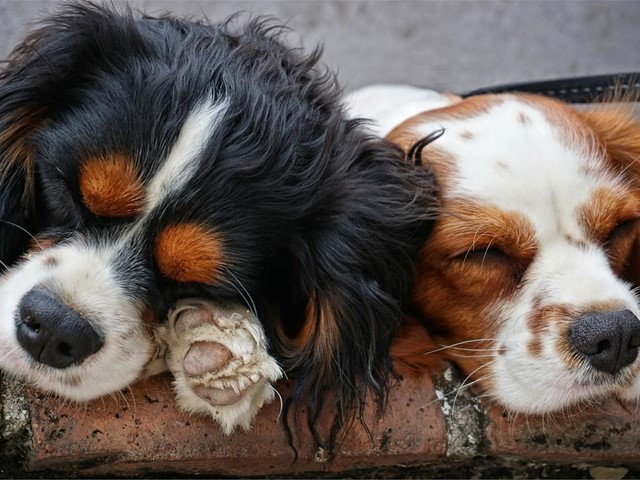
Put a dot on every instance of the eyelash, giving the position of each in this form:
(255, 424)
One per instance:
(621, 230)
(484, 255)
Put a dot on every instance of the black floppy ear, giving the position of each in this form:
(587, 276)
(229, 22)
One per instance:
(42, 77)
(19, 118)
(357, 273)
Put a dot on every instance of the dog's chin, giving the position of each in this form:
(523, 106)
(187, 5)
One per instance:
(542, 391)
(110, 370)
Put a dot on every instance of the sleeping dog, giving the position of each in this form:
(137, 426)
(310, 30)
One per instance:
(195, 191)
(527, 281)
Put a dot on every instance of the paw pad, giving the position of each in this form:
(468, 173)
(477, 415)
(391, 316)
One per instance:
(220, 362)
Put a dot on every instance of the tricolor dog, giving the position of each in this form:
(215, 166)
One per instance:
(196, 191)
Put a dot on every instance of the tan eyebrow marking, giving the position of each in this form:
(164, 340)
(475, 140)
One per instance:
(111, 187)
(189, 252)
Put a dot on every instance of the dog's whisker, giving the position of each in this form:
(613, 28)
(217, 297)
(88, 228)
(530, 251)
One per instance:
(246, 296)
(465, 385)
(19, 227)
(457, 345)
(275, 390)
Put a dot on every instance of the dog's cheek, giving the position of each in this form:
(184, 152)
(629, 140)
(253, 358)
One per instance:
(455, 305)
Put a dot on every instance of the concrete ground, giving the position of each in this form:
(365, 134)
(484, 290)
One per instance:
(449, 45)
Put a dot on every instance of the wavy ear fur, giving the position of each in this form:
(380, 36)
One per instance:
(18, 213)
(358, 272)
(618, 128)
(42, 75)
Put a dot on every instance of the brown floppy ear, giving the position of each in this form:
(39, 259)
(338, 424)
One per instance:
(413, 352)
(618, 128)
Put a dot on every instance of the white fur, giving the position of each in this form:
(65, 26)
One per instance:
(388, 105)
(250, 371)
(543, 172)
(82, 277)
(180, 165)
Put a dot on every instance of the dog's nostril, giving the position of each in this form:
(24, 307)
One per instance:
(32, 323)
(603, 346)
(53, 333)
(608, 340)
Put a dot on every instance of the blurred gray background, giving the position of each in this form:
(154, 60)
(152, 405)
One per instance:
(451, 45)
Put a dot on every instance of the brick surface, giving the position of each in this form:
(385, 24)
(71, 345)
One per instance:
(603, 433)
(142, 431)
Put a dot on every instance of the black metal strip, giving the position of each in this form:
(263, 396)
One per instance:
(572, 90)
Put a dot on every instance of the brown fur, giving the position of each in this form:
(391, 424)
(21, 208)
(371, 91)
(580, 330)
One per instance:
(188, 252)
(110, 186)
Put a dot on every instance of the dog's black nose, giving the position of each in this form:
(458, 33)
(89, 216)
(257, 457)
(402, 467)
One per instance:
(609, 340)
(53, 333)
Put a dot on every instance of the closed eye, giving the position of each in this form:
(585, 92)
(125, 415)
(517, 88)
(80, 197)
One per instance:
(622, 230)
(620, 244)
(484, 255)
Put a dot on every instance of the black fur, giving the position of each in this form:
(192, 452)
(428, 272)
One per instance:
(311, 208)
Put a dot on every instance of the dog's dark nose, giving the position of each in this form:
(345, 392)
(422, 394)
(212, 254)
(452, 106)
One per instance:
(53, 333)
(609, 340)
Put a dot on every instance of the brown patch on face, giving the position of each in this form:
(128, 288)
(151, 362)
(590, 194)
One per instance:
(111, 187)
(541, 321)
(611, 218)
(189, 252)
(618, 131)
(475, 257)
(605, 209)
(466, 135)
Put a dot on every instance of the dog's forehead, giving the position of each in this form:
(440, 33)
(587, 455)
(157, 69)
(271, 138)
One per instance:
(522, 154)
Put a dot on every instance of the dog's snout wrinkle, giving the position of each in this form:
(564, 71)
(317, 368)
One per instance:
(52, 333)
(608, 340)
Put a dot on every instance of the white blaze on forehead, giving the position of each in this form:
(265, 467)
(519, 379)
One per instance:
(512, 156)
(182, 162)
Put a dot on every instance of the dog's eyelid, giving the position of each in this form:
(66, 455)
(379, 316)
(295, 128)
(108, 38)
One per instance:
(622, 228)
(478, 252)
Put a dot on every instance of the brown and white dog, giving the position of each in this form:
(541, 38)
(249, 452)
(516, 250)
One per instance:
(527, 281)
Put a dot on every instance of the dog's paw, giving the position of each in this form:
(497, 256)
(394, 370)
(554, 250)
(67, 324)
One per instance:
(220, 362)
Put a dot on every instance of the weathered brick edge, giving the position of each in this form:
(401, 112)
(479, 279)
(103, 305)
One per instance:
(141, 432)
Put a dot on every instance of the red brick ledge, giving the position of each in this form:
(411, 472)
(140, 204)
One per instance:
(142, 432)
